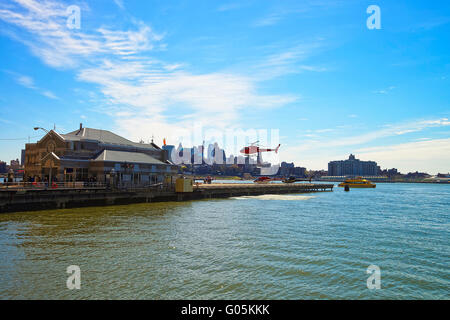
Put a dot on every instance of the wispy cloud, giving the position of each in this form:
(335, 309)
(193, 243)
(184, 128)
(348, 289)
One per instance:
(141, 93)
(296, 8)
(385, 91)
(58, 46)
(289, 59)
(269, 20)
(431, 23)
(49, 94)
(231, 6)
(120, 4)
(429, 155)
(28, 82)
(390, 130)
(321, 145)
(324, 130)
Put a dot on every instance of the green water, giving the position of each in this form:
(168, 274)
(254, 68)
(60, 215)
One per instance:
(315, 246)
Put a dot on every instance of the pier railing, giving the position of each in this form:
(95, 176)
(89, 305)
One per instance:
(11, 186)
(48, 186)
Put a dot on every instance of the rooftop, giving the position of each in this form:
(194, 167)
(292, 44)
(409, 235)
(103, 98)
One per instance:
(124, 156)
(105, 137)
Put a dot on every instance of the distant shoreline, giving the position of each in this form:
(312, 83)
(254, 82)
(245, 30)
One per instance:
(235, 178)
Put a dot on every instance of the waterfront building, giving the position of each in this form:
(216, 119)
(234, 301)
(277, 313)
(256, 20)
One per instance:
(417, 175)
(289, 169)
(390, 172)
(299, 172)
(97, 155)
(316, 173)
(15, 165)
(352, 167)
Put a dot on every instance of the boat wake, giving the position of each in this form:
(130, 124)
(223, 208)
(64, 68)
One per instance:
(275, 197)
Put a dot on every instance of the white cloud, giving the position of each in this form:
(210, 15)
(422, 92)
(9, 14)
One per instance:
(390, 130)
(230, 6)
(29, 83)
(324, 130)
(119, 3)
(385, 91)
(58, 46)
(152, 95)
(269, 20)
(288, 60)
(430, 155)
(139, 92)
(298, 8)
(26, 81)
(316, 151)
(49, 94)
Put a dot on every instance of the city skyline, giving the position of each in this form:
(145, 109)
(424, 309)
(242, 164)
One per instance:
(194, 155)
(312, 70)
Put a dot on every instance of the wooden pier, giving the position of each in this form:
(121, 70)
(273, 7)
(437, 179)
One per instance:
(226, 190)
(15, 200)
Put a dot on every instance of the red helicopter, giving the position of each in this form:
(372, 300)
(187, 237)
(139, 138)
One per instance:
(255, 149)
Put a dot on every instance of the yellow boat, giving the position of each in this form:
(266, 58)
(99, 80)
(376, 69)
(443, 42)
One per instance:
(358, 182)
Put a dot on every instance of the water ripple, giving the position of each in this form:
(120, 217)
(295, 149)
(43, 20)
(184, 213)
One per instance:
(263, 247)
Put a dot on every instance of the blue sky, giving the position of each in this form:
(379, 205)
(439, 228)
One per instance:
(311, 69)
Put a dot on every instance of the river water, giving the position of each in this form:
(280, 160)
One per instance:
(314, 246)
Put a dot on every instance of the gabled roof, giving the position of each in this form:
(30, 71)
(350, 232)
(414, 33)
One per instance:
(124, 156)
(104, 136)
(52, 154)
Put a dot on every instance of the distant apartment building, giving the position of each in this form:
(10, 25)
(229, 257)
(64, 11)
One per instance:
(390, 172)
(352, 167)
(289, 169)
(317, 173)
(417, 175)
(299, 172)
(3, 167)
(15, 164)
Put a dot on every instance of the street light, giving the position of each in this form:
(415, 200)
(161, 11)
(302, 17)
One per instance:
(37, 128)
(51, 164)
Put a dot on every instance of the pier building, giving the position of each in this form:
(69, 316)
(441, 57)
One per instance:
(94, 155)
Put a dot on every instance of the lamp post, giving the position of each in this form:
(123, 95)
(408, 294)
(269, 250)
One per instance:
(112, 178)
(37, 128)
(46, 131)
